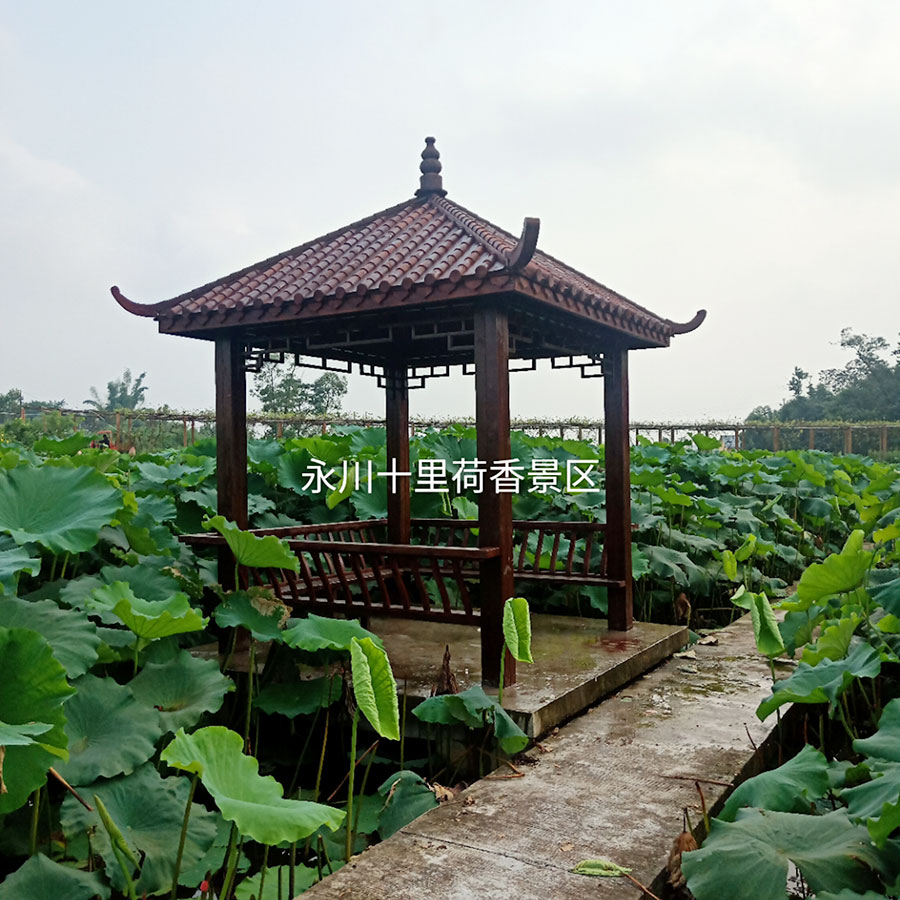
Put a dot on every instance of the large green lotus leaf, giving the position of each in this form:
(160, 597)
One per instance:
(199, 469)
(885, 743)
(299, 697)
(147, 580)
(765, 627)
(253, 802)
(374, 687)
(407, 797)
(838, 573)
(797, 627)
(317, 633)
(748, 859)
(33, 688)
(39, 878)
(833, 642)
(474, 708)
(61, 509)
(256, 610)
(14, 561)
(71, 634)
(793, 787)
(250, 550)
(517, 628)
(182, 689)
(667, 563)
(67, 446)
(110, 733)
(149, 810)
(851, 895)
(822, 683)
(884, 588)
(877, 802)
(148, 619)
(304, 877)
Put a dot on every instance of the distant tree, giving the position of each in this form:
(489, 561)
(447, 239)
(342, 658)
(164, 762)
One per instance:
(121, 393)
(867, 388)
(11, 403)
(281, 391)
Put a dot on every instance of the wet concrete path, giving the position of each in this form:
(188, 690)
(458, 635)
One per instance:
(611, 783)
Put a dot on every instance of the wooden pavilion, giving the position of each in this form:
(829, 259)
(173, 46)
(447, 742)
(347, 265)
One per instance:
(403, 295)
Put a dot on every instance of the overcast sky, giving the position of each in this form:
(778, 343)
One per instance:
(742, 157)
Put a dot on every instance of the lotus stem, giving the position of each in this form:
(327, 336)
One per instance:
(502, 674)
(403, 728)
(362, 789)
(62, 574)
(251, 661)
(262, 873)
(231, 857)
(34, 821)
(183, 838)
(353, 730)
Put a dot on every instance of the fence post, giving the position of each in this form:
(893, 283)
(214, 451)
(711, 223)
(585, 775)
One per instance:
(812, 438)
(184, 430)
(776, 442)
(884, 441)
(22, 413)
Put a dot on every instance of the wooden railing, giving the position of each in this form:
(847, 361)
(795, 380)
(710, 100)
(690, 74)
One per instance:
(346, 570)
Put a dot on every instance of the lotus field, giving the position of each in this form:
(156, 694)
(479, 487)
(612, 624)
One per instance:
(136, 759)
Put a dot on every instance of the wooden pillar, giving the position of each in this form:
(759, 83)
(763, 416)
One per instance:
(776, 438)
(884, 439)
(396, 400)
(812, 438)
(618, 487)
(848, 440)
(231, 441)
(494, 509)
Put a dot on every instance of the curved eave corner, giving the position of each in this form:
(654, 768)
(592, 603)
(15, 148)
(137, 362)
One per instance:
(686, 327)
(146, 310)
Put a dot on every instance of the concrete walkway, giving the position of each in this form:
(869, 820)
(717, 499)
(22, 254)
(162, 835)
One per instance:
(611, 783)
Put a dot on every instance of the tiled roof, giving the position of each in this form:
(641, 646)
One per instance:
(425, 248)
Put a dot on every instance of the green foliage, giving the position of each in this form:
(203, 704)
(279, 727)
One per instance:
(297, 698)
(34, 689)
(61, 509)
(318, 633)
(474, 709)
(110, 733)
(148, 619)
(517, 628)
(121, 393)
(148, 811)
(748, 859)
(182, 689)
(603, 868)
(40, 878)
(253, 802)
(407, 797)
(374, 687)
(250, 550)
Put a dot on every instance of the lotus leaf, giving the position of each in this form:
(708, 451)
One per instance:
(34, 689)
(765, 627)
(374, 687)
(318, 633)
(149, 810)
(257, 610)
(250, 550)
(517, 628)
(473, 708)
(792, 787)
(39, 878)
(61, 509)
(748, 859)
(148, 619)
(299, 697)
(182, 689)
(822, 683)
(110, 732)
(21, 735)
(253, 802)
(833, 642)
(406, 798)
(13, 562)
(837, 574)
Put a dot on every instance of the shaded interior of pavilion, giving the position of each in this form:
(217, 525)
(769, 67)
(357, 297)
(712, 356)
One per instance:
(404, 296)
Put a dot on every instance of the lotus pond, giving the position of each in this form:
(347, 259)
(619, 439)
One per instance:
(135, 760)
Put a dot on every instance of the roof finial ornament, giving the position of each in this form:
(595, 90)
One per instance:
(430, 167)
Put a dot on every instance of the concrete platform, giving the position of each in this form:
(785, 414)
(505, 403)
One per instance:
(576, 662)
(612, 783)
